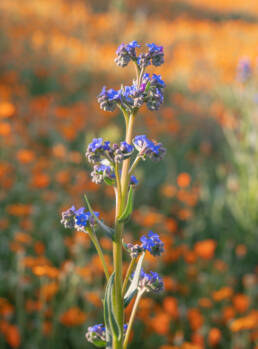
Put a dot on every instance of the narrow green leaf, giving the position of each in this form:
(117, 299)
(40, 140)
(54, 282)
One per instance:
(106, 318)
(129, 206)
(134, 283)
(109, 315)
(109, 231)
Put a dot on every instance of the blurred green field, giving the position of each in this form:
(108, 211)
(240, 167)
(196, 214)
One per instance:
(202, 198)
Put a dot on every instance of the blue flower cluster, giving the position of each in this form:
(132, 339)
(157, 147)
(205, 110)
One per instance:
(78, 219)
(127, 53)
(97, 334)
(98, 150)
(149, 90)
(151, 282)
(148, 148)
(104, 155)
(152, 243)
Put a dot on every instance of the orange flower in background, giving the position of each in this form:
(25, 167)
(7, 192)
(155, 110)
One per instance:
(224, 293)
(241, 303)
(205, 303)
(73, 317)
(195, 318)
(19, 209)
(40, 180)
(183, 180)
(47, 328)
(49, 290)
(205, 249)
(39, 248)
(245, 323)
(23, 238)
(6, 309)
(12, 336)
(228, 313)
(168, 190)
(7, 109)
(5, 129)
(25, 156)
(170, 306)
(197, 338)
(161, 323)
(93, 298)
(214, 337)
(191, 346)
(241, 250)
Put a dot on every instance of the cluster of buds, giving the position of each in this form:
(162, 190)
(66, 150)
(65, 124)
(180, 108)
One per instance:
(151, 282)
(97, 334)
(104, 155)
(99, 150)
(78, 219)
(127, 53)
(149, 90)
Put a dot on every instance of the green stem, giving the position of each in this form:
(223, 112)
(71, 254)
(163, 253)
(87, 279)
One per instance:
(118, 182)
(134, 164)
(126, 164)
(125, 114)
(95, 241)
(128, 273)
(131, 320)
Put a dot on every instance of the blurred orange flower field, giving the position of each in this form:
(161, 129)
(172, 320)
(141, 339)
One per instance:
(55, 57)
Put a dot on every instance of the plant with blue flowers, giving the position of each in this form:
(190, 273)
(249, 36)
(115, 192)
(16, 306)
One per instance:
(114, 165)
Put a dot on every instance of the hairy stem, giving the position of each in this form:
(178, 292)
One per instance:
(131, 320)
(128, 273)
(134, 164)
(126, 164)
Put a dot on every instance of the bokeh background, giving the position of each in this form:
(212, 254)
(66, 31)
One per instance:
(55, 56)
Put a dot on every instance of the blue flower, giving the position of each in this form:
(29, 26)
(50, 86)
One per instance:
(84, 219)
(108, 99)
(97, 149)
(156, 54)
(151, 282)
(152, 243)
(133, 44)
(125, 53)
(148, 148)
(154, 48)
(133, 180)
(98, 144)
(157, 81)
(155, 99)
(126, 148)
(100, 171)
(97, 335)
